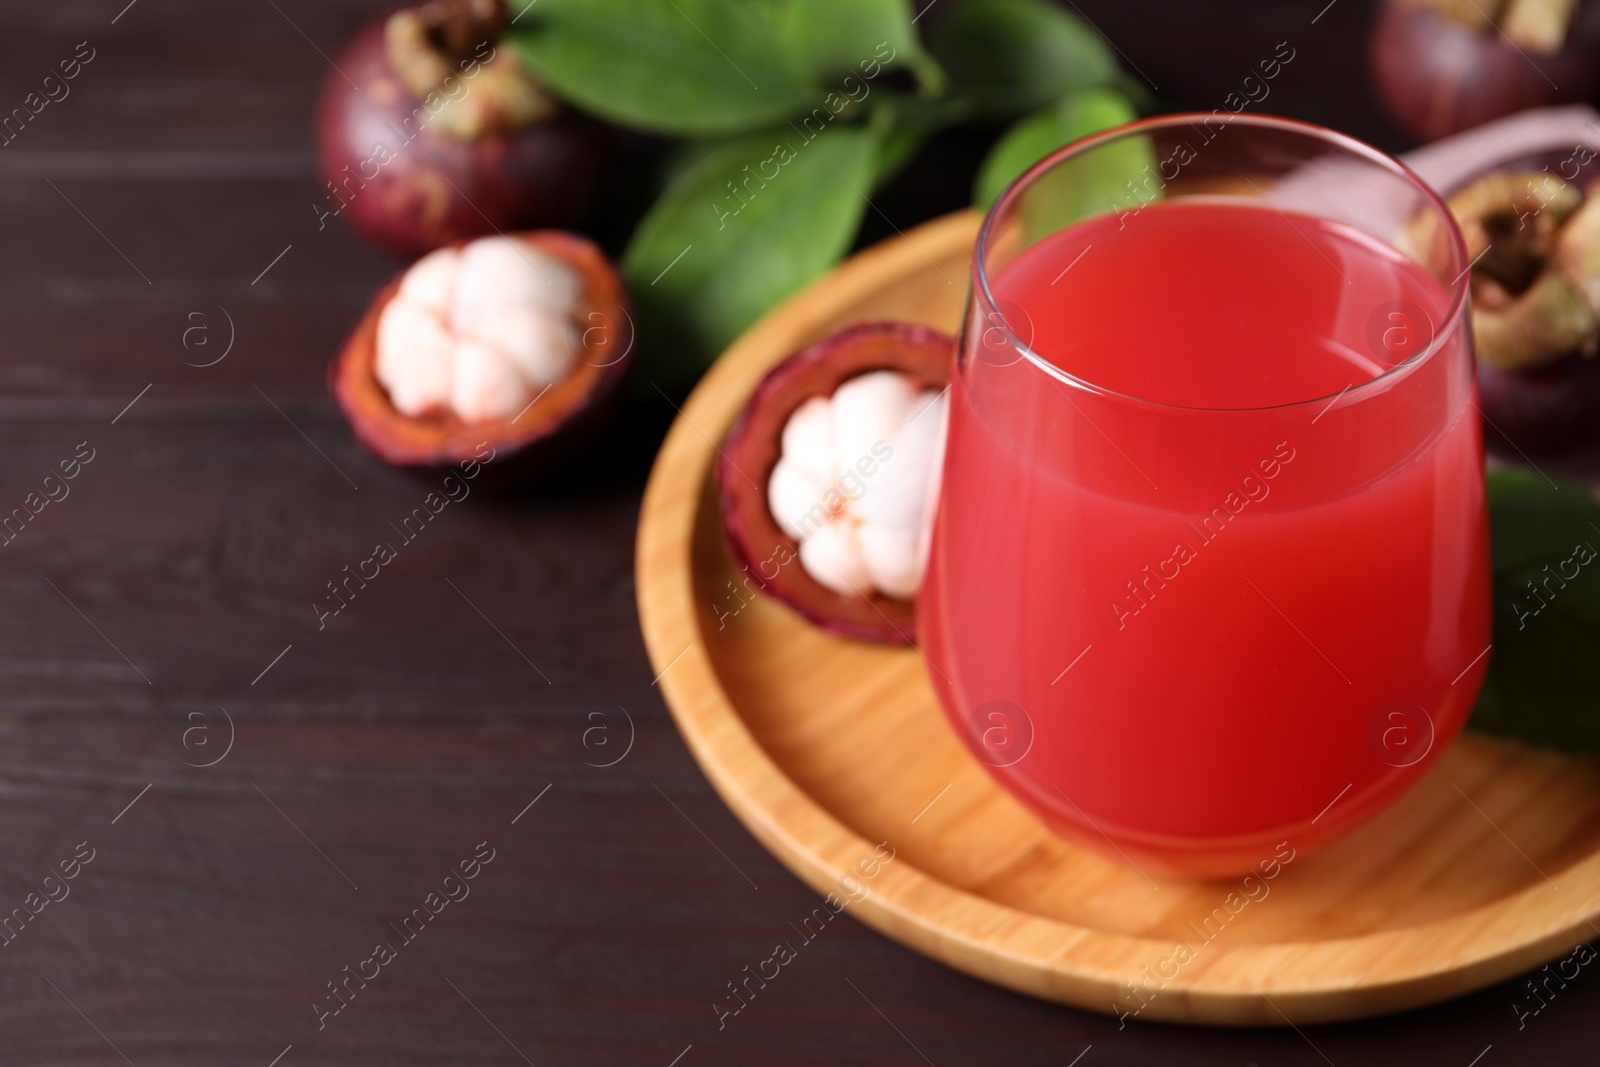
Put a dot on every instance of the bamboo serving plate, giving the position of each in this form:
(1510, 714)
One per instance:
(833, 753)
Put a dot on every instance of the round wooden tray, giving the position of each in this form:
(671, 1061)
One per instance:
(826, 748)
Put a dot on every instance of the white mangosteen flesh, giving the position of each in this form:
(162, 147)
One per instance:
(479, 331)
(856, 483)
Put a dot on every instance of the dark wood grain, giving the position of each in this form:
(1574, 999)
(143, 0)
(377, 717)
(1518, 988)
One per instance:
(496, 661)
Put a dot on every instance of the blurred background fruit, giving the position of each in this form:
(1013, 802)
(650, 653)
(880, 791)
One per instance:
(430, 129)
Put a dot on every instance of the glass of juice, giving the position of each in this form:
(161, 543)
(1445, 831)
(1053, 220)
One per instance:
(1208, 583)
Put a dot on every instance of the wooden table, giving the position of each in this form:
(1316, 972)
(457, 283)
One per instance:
(473, 694)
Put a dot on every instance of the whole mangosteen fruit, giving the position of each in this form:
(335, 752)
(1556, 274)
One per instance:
(1441, 66)
(429, 130)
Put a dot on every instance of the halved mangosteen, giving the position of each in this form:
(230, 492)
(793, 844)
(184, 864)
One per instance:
(829, 475)
(520, 341)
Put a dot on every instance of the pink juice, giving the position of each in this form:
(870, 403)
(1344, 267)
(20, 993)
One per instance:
(1248, 607)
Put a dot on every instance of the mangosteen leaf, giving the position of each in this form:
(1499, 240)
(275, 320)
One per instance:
(740, 229)
(1044, 131)
(837, 39)
(678, 67)
(1543, 685)
(1013, 56)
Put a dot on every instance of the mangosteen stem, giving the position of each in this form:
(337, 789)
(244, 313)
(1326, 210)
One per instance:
(445, 52)
(1536, 26)
(1578, 250)
(1539, 26)
(1475, 14)
(459, 27)
(1509, 220)
(1550, 320)
(1520, 324)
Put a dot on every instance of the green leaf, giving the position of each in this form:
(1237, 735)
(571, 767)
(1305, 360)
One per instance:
(835, 38)
(1544, 673)
(1012, 56)
(1110, 178)
(741, 229)
(1042, 132)
(678, 67)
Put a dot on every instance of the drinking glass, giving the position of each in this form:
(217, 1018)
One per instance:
(1192, 602)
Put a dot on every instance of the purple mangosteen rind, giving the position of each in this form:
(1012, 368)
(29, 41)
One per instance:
(752, 536)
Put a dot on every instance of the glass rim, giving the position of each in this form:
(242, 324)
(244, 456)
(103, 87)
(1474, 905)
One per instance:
(1351, 145)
